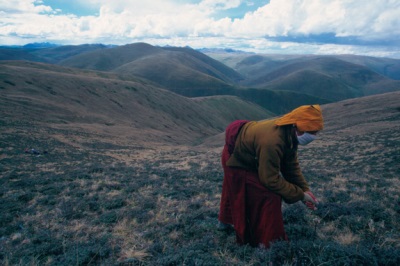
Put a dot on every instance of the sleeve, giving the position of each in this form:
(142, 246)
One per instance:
(291, 171)
(269, 169)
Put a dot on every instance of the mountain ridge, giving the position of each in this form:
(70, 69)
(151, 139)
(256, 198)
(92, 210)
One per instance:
(272, 81)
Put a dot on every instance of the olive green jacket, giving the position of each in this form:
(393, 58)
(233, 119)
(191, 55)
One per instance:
(271, 150)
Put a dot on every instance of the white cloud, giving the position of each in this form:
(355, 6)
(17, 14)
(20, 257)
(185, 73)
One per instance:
(364, 19)
(139, 8)
(189, 23)
(344, 18)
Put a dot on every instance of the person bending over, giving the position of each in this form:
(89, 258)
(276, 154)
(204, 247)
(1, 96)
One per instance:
(261, 168)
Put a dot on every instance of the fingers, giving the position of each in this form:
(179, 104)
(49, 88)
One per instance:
(308, 198)
(311, 206)
(312, 196)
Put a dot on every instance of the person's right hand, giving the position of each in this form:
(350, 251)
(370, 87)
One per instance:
(310, 200)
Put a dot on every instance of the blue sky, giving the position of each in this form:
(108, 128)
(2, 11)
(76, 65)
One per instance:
(82, 8)
(71, 7)
(266, 26)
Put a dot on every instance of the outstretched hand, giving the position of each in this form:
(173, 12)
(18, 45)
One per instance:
(310, 200)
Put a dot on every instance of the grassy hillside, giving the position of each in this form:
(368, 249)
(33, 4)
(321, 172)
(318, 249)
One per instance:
(278, 102)
(223, 106)
(112, 58)
(174, 70)
(56, 54)
(388, 67)
(153, 204)
(227, 73)
(314, 83)
(46, 55)
(341, 74)
(13, 53)
(330, 77)
(312, 79)
(168, 67)
(100, 103)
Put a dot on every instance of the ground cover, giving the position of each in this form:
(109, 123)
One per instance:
(106, 204)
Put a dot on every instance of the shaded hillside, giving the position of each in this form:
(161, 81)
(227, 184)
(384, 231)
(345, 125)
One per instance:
(254, 66)
(60, 69)
(53, 54)
(56, 54)
(82, 101)
(168, 67)
(111, 58)
(223, 106)
(352, 79)
(226, 73)
(174, 70)
(12, 53)
(388, 67)
(330, 77)
(314, 83)
(278, 102)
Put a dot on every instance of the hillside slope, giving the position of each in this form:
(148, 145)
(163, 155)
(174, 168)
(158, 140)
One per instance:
(169, 67)
(278, 83)
(65, 99)
(388, 67)
(314, 83)
(174, 70)
(46, 55)
(331, 77)
(307, 76)
(360, 136)
(223, 107)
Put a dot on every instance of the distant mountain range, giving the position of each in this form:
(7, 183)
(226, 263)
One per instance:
(277, 83)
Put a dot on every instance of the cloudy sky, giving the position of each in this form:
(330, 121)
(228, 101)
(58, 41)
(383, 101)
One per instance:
(370, 27)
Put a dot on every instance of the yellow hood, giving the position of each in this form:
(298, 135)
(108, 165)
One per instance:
(306, 118)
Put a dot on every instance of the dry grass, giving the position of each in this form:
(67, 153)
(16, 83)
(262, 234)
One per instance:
(151, 213)
(158, 204)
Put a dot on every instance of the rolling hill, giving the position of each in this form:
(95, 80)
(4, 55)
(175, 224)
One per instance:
(222, 106)
(385, 66)
(169, 67)
(278, 83)
(98, 103)
(329, 77)
(47, 54)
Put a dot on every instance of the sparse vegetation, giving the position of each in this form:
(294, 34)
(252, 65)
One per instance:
(160, 207)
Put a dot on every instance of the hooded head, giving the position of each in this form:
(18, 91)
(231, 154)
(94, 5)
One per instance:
(306, 118)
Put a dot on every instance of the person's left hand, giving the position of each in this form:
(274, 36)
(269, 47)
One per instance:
(310, 200)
